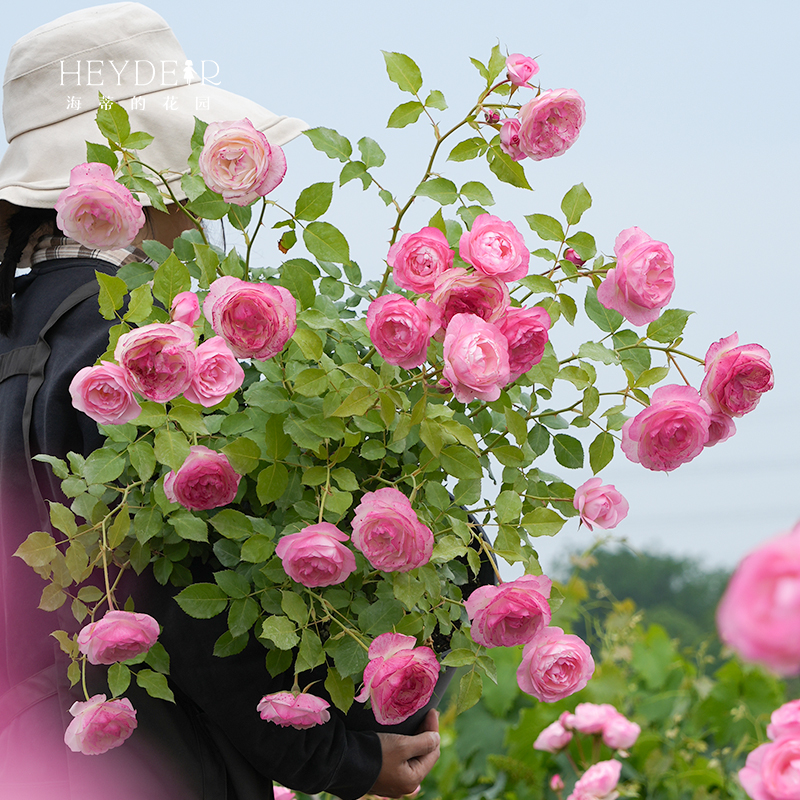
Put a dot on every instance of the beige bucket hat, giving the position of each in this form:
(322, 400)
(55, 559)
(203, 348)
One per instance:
(130, 54)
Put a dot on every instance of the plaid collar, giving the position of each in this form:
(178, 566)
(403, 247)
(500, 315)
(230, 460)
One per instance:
(53, 247)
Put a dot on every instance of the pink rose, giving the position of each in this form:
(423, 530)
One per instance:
(554, 666)
(401, 330)
(294, 711)
(602, 505)
(495, 248)
(217, 373)
(118, 636)
(641, 283)
(550, 123)
(185, 308)
(205, 480)
(510, 614)
(509, 139)
(315, 556)
(526, 331)
(99, 725)
(721, 428)
(102, 393)
(619, 733)
(419, 258)
(557, 783)
(460, 292)
(553, 738)
(97, 211)
(399, 679)
(388, 532)
(475, 358)
(736, 377)
(239, 163)
(255, 319)
(589, 717)
(282, 793)
(785, 721)
(771, 771)
(573, 257)
(158, 359)
(670, 432)
(759, 614)
(520, 69)
(599, 781)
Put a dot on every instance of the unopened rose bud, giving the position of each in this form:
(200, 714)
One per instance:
(556, 783)
(444, 386)
(491, 116)
(572, 256)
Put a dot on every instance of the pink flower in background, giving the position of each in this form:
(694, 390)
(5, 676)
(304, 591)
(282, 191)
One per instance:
(553, 738)
(670, 432)
(401, 330)
(721, 428)
(205, 480)
(771, 771)
(557, 783)
(255, 319)
(510, 614)
(554, 665)
(475, 358)
(185, 308)
(619, 733)
(282, 793)
(118, 636)
(550, 123)
(239, 163)
(509, 139)
(158, 359)
(460, 292)
(526, 331)
(217, 373)
(99, 725)
(600, 505)
(294, 711)
(495, 248)
(574, 258)
(97, 211)
(736, 377)
(388, 532)
(759, 614)
(102, 393)
(418, 259)
(399, 679)
(642, 282)
(315, 556)
(598, 782)
(589, 717)
(520, 69)
(785, 721)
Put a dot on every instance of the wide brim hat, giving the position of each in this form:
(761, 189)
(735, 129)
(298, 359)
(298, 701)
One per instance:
(130, 54)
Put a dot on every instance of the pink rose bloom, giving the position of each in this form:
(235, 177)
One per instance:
(158, 359)
(239, 163)
(589, 717)
(185, 308)
(670, 432)
(772, 771)
(294, 711)
(721, 428)
(102, 393)
(282, 793)
(574, 258)
(510, 614)
(99, 725)
(217, 373)
(495, 248)
(520, 69)
(785, 721)
(205, 480)
(554, 665)
(641, 283)
(475, 358)
(509, 139)
(557, 783)
(97, 211)
(399, 679)
(619, 733)
(736, 377)
(599, 781)
(315, 556)
(419, 258)
(400, 330)
(526, 331)
(118, 636)
(550, 123)
(553, 738)
(759, 613)
(255, 319)
(388, 532)
(602, 505)
(460, 292)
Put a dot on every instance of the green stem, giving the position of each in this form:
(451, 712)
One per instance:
(250, 241)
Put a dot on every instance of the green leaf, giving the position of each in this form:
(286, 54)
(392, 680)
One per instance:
(328, 141)
(436, 100)
(171, 448)
(583, 244)
(112, 119)
(341, 689)
(441, 190)
(58, 466)
(103, 466)
(575, 202)
(497, 62)
(227, 645)
(508, 506)
(147, 523)
(669, 326)
(405, 114)
(100, 154)
(371, 153)
(140, 305)
(244, 455)
(473, 190)
(601, 451)
(242, 615)
(155, 684)
(112, 293)
(568, 451)
(352, 170)
(209, 205)
(188, 526)
(506, 169)
(650, 377)
(548, 228)
(481, 69)
(232, 524)
(38, 550)
(193, 186)
(314, 201)
(594, 351)
(326, 242)
(309, 343)
(542, 522)
(171, 278)
(310, 654)
(403, 71)
(460, 657)
(272, 483)
(349, 657)
(137, 274)
(468, 149)
(202, 600)
(357, 403)
(119, 679)
(470, 689)
(605, 318)
(137, 140)
(380, 616)
(460, 462)
(300, 284)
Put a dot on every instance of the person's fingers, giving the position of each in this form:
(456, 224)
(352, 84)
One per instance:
(430, 723)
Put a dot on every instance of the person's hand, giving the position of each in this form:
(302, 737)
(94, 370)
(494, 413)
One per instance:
(407, 759)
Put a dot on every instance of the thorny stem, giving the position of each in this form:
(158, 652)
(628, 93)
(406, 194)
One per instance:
(103, 552)
(251, 240)
(490, 555)
(327, 488)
